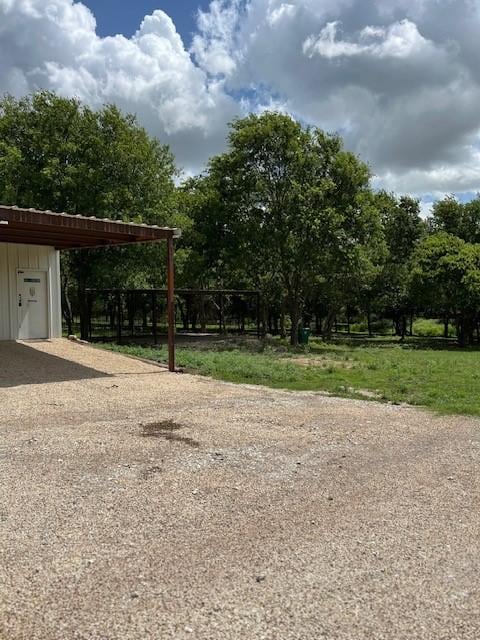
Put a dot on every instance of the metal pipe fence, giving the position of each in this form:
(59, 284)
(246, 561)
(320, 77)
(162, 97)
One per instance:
(122, 315)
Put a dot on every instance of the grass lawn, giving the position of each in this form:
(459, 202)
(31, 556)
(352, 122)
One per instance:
(431, 373)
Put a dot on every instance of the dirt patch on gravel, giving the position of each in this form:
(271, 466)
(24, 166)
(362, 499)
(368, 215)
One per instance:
(167, 429)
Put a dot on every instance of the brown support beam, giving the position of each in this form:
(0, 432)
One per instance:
(171, 303)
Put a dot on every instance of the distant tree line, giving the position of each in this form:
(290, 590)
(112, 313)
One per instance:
(286, 210)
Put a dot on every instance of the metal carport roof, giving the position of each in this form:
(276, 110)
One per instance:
(66, 231)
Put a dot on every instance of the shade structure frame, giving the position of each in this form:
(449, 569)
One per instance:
(64, 231)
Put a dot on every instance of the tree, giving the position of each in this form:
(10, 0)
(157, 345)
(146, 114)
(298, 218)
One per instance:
(403, 229)
(447, 216)
(289, 206)
(58, 154)
(446, 277)
(459, 219)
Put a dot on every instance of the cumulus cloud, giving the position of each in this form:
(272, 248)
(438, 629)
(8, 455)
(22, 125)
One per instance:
(399, 79)
(53, 44)
(398, 40)
(213, 46)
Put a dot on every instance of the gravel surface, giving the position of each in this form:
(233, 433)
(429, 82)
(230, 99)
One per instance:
(138, 504)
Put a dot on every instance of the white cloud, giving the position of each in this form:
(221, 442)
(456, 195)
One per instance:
(463, 177)
(213, 47)
(284, 11)
(399, 79)
(398, 40)
(53, 44)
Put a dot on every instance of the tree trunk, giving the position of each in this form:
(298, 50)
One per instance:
(131, 313)
(465, 329)
(445, 325)
(84, 312)
(369, 320)
(283, 330)
(274, 328)
(67, 308)
(111, 315)
(221, 311)
(397, 326)
(270, 327)
(328, 325)
(193, 320)
(203, 321)
(264, 318)
(183, 308)
(403, 327)
(295, 316)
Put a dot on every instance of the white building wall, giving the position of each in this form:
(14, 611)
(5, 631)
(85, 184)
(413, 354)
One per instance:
(22, 256)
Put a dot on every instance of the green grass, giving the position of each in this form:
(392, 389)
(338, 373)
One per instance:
(432, 373)
(431, 328)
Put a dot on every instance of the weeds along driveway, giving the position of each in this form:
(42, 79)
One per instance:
(139, 504)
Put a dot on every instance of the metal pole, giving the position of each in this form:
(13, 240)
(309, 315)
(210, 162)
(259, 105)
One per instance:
(171, 303)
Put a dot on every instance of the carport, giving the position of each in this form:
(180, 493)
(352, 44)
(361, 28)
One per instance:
(30, 245)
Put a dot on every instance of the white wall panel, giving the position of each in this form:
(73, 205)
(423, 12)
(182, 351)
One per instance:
(19, 256)
(4, 295)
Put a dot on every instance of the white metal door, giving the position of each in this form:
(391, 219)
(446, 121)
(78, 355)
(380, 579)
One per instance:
(32, 301)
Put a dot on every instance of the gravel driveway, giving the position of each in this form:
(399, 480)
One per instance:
(138, 504)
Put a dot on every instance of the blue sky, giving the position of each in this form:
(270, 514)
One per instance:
(125, 16)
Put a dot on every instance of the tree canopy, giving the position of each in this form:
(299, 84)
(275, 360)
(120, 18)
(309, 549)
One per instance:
(58, 154)
(286, 210)
(288, 206)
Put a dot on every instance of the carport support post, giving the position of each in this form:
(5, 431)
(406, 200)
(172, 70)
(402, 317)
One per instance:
(171, 303)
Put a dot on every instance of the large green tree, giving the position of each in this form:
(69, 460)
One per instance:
(58, 154)
(457, 218)
(289, 206)
(446, 278)
(403, 229)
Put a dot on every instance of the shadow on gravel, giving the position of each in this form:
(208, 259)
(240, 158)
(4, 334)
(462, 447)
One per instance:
(22, 364)
(166, 429)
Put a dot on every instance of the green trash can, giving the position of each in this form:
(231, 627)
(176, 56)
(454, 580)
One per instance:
(303, 334)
